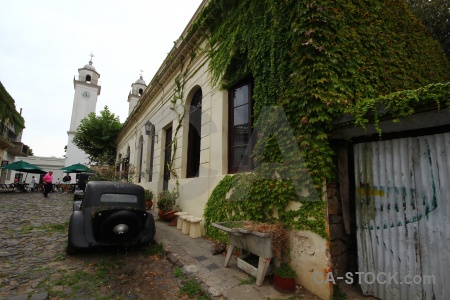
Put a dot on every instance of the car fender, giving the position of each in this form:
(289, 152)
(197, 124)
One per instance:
(149, 230)
(76, 234)
(77, 205)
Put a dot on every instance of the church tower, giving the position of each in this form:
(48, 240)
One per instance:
(87, 88)
(137, 89)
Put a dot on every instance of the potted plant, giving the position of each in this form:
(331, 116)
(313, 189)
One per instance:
(167, 204)
(284, 278)
(148, 199)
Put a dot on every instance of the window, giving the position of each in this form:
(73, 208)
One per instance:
(141, 91)
(140, 155)
(88, 78)
(152, 153)
(240, 128)
(118, 198)
(195, 124)
(167, 158)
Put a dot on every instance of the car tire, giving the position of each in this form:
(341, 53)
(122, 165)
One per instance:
(122, 217)
(71, 249)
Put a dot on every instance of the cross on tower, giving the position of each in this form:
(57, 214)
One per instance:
(91, 55)
(140, 74)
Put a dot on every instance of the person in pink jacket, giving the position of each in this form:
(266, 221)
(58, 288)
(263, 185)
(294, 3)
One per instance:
(48, 183)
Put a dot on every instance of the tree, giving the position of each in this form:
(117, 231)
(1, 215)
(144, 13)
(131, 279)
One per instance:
(435, 15)
(96, 136)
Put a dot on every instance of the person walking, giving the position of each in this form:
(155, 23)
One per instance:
(34, 183)
(58, 185)
(66, 181)
(48, 183)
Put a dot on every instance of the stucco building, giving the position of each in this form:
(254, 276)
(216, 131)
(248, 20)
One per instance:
(188, 130)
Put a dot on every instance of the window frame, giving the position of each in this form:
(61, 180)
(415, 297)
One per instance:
(231, 139)
(194, 136)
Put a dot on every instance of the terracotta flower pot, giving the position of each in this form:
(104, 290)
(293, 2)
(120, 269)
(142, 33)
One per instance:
(170, 215)
(148, 204)
(284, 285)
(160, 213)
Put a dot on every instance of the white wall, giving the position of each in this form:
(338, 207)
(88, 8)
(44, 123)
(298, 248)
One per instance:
(194, 192)
(46, 163)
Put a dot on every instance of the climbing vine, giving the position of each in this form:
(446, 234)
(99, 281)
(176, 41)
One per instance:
(316, 60)
(8, 110)
(177, 105)
(399, 104)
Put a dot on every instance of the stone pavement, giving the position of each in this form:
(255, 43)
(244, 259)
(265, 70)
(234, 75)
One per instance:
(194, 256)
(28, 254)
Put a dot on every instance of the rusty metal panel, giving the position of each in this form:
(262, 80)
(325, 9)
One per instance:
(402, 211)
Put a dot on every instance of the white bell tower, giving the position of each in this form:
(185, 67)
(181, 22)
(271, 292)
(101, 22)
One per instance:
(87, 88)
(137, 89)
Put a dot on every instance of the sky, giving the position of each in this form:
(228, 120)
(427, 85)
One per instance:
(44, 43)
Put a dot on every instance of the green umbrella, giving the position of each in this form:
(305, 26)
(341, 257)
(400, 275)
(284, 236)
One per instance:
(77, 168)
(23, 166)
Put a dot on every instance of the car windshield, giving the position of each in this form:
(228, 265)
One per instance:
(122, 198)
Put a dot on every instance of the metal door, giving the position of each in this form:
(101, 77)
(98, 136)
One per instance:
(402, 211)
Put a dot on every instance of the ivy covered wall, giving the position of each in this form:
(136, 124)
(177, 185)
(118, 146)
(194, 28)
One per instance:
(8, 110)
(317, 59)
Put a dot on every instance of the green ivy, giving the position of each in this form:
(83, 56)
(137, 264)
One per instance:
(8, 111)
(317, 59)
(399, 104)
(259, 205)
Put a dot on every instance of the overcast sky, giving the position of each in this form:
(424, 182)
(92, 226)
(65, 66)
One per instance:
(43, 43)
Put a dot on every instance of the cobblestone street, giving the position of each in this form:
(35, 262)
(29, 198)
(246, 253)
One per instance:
(28, 253)
(34, 265)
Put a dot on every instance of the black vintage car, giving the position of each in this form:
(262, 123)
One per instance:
(111, 214)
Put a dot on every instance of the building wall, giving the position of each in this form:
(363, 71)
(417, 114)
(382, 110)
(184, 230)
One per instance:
(6, 175)
(194, 192)
(46, 163)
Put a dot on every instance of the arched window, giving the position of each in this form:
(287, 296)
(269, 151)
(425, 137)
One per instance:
(88, 78)
(119, 160)
(195, 126)
(141, 91)
(126, 165)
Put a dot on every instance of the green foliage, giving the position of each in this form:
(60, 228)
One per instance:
(167, 200)
(193, 289)
(178, 273)
(241, 197)
(338, 293)
(155, 249)
(8, 111)
(148, 194)
(400, 104)
(317, 60)
(285, 271)
(250, 280)
(96, 136)
(435, 15)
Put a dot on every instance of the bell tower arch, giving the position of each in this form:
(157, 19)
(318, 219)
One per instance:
(87, 88)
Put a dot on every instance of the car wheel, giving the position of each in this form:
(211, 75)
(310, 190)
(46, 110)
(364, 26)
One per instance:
(120, 226)
(70, 249)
